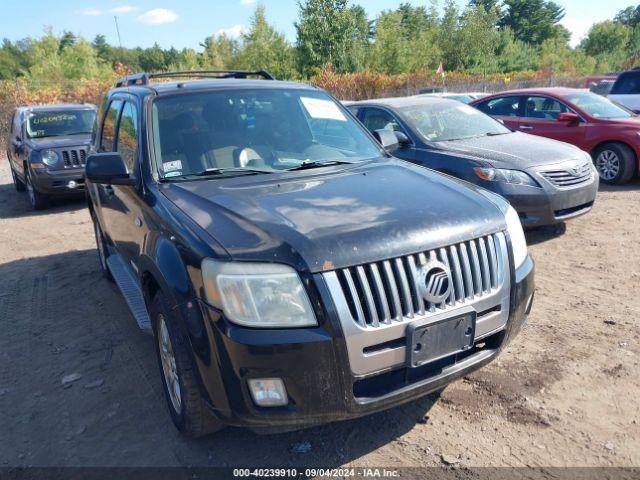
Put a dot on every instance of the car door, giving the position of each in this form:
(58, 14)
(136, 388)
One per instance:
(505, 108)
(106, 142)
(377, 118)
(540, 118)
(16, 147)
(626, 90)
(127, 224)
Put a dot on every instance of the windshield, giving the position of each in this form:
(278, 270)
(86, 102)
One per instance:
(597, 106)
(446, 121)
(257, 130)
(60, 122)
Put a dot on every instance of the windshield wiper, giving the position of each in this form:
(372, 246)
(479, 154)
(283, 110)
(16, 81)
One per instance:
(219, 171)
(495, 134)
(315, 164)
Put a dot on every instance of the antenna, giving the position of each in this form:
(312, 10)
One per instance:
(115, 18)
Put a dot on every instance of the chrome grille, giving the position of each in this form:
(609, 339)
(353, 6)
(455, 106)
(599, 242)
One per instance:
(387, 291)
(74, 157)
(569, 177)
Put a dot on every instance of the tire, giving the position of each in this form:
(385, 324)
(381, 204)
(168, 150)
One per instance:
(615, 163)
(101, 247)
(38, 200)
(19, 184)
(179, 375)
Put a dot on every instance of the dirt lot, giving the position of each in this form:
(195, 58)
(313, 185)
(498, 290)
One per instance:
(565, 393)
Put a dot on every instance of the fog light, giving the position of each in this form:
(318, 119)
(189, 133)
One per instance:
(72, 184)
(268, 392)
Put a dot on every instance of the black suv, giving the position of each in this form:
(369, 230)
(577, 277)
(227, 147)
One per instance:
(293, 272)
(47, 149)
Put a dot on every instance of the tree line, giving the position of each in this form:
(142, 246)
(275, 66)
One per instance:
(485, 36)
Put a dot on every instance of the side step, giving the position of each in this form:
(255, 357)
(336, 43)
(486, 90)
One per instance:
(130, 290)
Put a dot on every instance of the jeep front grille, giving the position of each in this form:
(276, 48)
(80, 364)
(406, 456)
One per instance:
(387, 291)
(569, 178)
(74, 157)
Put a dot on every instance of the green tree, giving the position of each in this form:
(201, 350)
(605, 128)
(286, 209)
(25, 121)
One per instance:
(608, 42)
(265, 48)
(405, 41)
(68, 39)
(103, 49)
(220, 52)
(152, 59)
(629, 16)
(478, 39)
(328, 34)
(532, 21)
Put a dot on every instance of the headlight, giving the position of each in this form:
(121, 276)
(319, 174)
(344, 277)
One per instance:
(49, 157)
(503, 175)
(258, 294)
(518, 242)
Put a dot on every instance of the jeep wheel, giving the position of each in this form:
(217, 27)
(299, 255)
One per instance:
(178, 371)
(37, 200)
(101, 245)
(17, 182)
(616, 163)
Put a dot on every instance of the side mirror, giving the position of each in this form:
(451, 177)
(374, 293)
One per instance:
(387, 138)
(402, 138)
(568, 117)
(109, 169)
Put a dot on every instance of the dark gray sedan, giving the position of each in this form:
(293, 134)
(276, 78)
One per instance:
(545, 180)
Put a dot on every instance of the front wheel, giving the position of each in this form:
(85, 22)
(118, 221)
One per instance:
(38, 200)
(20, 187)
(178, 371)
(615, 162)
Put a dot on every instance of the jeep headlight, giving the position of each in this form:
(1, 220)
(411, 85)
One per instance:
(49, 157)
(263, 295)
(518, 241)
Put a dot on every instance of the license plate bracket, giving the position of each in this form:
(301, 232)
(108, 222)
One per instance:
(433, 341)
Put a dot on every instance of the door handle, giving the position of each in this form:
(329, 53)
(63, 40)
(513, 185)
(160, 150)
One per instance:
(526, 127)
(109, 190)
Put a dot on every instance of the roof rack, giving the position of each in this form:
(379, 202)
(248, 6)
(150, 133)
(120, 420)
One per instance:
(143, 78)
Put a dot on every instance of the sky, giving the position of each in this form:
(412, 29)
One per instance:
(186, 23)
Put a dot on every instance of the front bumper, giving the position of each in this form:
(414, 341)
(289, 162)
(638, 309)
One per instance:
(56, 182)
(548, 205)
(314, 365)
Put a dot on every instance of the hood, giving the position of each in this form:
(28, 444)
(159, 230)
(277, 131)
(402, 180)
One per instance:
(632, 122)
(60, 142)
(514, 150)
(334, 217)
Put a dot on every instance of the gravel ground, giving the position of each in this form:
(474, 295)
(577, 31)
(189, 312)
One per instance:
(79, 384)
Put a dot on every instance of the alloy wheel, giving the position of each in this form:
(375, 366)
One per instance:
(168, 361)
(608, 164)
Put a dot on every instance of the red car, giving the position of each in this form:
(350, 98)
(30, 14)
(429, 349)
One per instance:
(609, 132)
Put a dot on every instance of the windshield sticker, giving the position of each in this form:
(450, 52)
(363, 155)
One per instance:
(318, 108)
(172, 166)
(468, 110)
(52, 118)
(172, 174)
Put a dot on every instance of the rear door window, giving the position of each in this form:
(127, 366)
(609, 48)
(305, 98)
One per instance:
(627, 84)
(501, 106)
(108, 133)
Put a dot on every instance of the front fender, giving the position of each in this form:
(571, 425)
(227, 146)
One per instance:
(163, 263)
